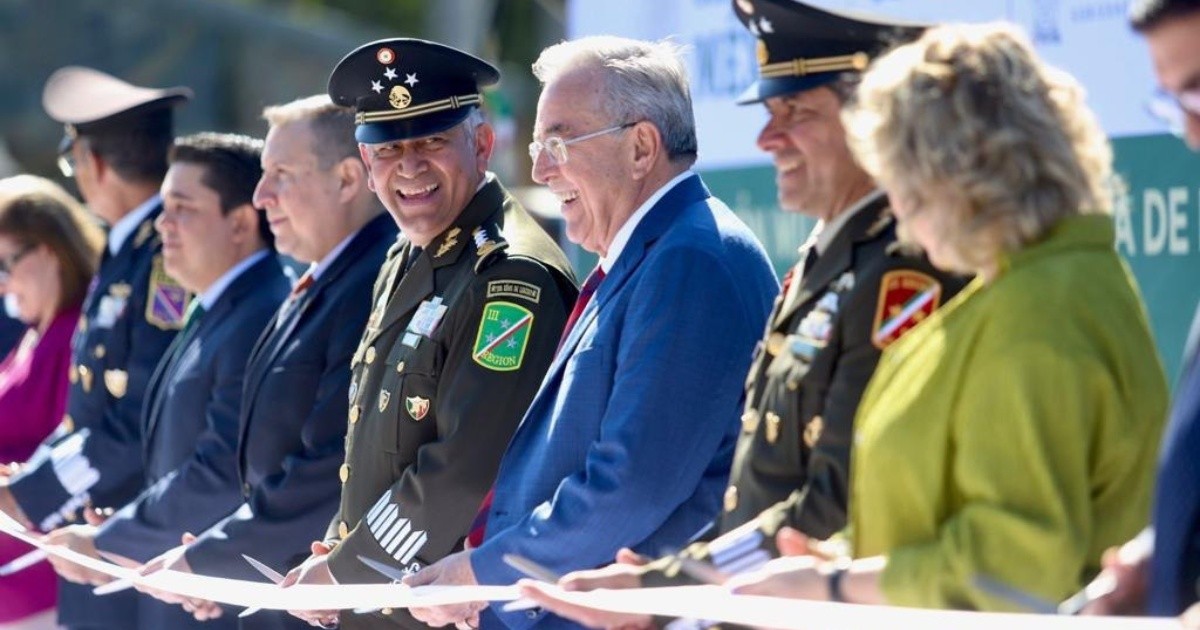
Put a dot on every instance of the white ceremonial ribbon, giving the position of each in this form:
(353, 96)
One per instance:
(713, 603)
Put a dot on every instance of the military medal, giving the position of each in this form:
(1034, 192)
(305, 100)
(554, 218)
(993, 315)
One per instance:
(416, 407)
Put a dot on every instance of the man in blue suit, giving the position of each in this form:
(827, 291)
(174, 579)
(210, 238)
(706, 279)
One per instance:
(629, 440)
(219, 247)
(293, 422)
(115, 147)
(1157, 573)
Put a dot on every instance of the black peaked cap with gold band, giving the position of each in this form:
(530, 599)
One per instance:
(407, 88)
(91, 102)
(801, 47)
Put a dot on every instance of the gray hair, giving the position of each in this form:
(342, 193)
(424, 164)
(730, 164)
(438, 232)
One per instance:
(643, 81)
(332, 126)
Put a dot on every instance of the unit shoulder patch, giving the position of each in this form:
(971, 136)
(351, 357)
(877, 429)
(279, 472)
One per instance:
(514, 289)
(906, 298)
(503, 336)
(166, 299)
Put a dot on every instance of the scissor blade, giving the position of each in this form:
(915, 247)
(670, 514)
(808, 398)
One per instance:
(386, 570)
(269, 573)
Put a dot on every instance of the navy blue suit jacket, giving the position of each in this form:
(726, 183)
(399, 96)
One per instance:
(1175, 565)
(293, 423)
(190, 424)
(629, 440)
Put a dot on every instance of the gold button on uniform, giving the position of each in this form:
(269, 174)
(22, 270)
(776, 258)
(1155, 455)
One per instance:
(400, 367)
(772, 427)
(344, 472)
(812, 432)
(775, 343)
(370, 358)
(99, 351)
(85, 375)
(750, 421)
(354, 413)
(343, 529)
(731, 498)
(385, 611)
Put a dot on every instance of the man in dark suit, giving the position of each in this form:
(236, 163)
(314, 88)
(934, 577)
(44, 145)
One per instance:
(1158, 573)
(117, 137)
(466, 314)
(293, 421)
(629, 440)
(219, 247)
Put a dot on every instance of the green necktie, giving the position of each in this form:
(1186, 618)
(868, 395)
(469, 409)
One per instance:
(195, 312)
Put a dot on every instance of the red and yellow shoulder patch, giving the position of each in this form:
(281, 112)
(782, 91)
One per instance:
(906, 298)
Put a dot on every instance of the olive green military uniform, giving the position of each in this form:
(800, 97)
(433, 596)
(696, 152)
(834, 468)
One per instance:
(454, 350)
(822, 343)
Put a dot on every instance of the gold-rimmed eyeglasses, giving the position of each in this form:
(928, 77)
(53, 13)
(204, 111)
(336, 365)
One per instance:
(556, 147)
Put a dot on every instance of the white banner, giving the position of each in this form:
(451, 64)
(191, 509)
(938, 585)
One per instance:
(1088, 38)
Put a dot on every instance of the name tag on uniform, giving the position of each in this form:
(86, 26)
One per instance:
(428, 316)
(109, 310)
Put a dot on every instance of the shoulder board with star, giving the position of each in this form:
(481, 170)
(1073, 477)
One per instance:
(489, 245)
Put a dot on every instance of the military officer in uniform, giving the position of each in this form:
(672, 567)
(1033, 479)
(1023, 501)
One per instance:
(852, 293)
(467, 313)
(117, 137)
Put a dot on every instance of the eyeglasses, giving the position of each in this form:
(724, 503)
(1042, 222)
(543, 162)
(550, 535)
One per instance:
(1174, 108)
(7, 263)
(556, 148)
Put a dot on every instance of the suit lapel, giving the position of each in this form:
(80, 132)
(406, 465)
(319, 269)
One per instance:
(657, 221)
(444, 250)
(253, 276)
(838, 257)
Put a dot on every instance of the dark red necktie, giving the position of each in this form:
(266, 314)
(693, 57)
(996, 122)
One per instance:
(302, 285)
(585, 296)
(479, 525)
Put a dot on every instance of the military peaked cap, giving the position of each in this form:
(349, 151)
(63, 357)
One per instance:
(801, 47)
(407, 88)
(91, 102)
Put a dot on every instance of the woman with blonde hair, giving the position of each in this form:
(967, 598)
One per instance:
(49, 249)
(1005, 442)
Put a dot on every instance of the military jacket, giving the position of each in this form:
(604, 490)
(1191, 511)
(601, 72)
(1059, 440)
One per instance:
(821, 345)
(130, 315)
(453, 352)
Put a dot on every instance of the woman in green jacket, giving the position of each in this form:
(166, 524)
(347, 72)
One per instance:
(1010, 438)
